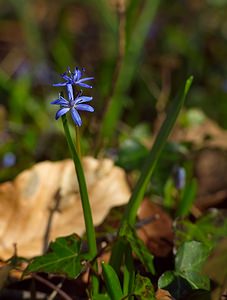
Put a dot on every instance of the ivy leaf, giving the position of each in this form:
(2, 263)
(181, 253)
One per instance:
(143, 289)
(174, 283)
(187, 275)
(191, 257)
(197, 280)
(64, 258)
(127, 233)
(166, 279)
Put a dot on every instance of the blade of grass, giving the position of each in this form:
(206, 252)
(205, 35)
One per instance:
(128, 68)
(149, 166)
(187, 199)
(152, 159)
(112, 282)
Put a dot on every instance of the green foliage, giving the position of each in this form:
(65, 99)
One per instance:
(127, 233)
(128, 273)
(191, 256)
(143, 289)
(149, 166)
(187, 198)
(209, 229)
(101, 297)
(128, 66)
(112, 282)
(187, 275)
(130, 82)
(64, 257)
(131, 154)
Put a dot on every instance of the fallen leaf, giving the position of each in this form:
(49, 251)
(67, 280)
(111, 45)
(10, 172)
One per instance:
(162, 295)
(26, 202)
(158, 234)
(210, 169)
(206, 133)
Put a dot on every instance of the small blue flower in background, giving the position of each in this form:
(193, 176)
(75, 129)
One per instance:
(75, 78)
(179, 175)
(72, 105)
(9, 160)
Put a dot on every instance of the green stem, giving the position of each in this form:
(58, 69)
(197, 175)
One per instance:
(78, 148)
(148, 169)
(90, 231)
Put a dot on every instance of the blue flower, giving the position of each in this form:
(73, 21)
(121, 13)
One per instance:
(75, 78)
(72, 105)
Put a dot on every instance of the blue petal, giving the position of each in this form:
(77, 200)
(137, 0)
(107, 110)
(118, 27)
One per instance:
(60, 101)
(84, 85)
(70, 92)
(60, 84)
(55, 102)
(85, 107)
(76, 117)
(83, 99)
(85, 79)
(66, 77)
(77, 74)
(61, 112)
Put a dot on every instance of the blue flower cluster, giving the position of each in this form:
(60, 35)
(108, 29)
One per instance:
(73, 103)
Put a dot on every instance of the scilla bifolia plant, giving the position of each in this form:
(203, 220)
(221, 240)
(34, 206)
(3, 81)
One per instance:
(66, 254)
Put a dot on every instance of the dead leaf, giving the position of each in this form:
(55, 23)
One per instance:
(210, 170)
(162, 295)
(26, 202)
(206, 133)
(157, 235)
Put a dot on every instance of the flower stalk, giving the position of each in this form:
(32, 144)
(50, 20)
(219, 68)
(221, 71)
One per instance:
(90, 231)
(73, 104)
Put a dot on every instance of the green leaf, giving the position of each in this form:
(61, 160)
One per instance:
(64, 258)
(189, 260)
(209, 229)
(191, 256)
(166, 279)
(100, 297)
(149, 167)
(143, 288)
(128, 273)
(196, 280)
(127, 233)
(174, 283)
(187, 199)
(112, 282)
(131, 154)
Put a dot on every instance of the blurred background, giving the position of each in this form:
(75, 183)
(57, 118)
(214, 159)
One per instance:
(140, 53)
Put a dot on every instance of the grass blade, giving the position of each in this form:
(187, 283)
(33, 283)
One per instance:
(148, 169)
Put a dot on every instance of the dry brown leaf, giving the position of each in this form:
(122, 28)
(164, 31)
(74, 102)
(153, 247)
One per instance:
(25, 203)
(206, 134)
(162, 295)
(157, 235)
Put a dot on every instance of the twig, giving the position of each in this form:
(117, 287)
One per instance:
(54, 293)
(57, 198)
(52, 286)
